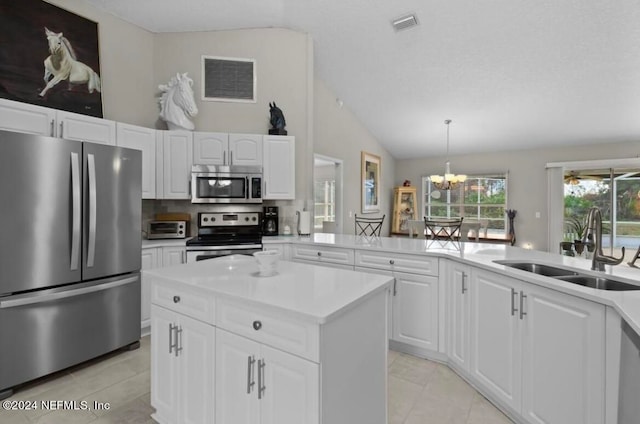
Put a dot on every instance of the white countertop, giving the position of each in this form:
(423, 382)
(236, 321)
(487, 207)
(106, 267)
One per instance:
(483, 255)
(309, 292)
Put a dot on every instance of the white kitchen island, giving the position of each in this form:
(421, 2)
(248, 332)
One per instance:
(307, 345)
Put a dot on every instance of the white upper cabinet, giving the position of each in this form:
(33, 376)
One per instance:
(177, 154)
(26, 118)
(73, 126)
(245, 149)
(279, 167)
(210, 148)
(143, 139)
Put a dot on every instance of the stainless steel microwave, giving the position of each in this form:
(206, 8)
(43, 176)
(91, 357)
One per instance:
(226, 184)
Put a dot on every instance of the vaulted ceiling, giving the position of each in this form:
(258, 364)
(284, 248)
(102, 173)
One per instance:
(511, 74)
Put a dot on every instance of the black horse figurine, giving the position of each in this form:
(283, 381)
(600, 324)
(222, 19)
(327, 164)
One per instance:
(277, 120)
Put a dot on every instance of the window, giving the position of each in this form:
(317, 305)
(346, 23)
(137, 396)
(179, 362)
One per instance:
(479, 198)
(325, 206)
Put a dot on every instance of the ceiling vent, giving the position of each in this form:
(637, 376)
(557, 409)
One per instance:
(404, 22)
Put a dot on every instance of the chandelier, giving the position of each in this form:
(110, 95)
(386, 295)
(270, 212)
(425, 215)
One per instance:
(448, 181)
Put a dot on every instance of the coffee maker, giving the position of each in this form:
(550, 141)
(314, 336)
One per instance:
(270, 221)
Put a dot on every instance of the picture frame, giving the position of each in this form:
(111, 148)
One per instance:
(228, 79)
(67, 78)
(371, 167)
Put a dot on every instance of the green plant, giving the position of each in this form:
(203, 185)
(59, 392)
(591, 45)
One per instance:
(576, 225)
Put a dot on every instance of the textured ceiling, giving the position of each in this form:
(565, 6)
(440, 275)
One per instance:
(511, 74)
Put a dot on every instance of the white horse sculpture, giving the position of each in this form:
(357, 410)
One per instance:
(177, 103)
(62, 64)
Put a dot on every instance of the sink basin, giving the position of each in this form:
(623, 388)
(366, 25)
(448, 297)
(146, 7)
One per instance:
(598, 282)
(546, 270)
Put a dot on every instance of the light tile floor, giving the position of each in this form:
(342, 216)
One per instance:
(420, 392)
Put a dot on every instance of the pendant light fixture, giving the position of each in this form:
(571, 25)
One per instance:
(449, 180)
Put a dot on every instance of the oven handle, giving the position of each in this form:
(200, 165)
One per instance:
(204, 249)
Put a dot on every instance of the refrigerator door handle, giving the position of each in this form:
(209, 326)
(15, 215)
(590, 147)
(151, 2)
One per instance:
(76, 216)
(91, 249)
(30, 300)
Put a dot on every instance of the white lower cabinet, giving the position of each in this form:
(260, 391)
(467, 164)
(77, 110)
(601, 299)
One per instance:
(458, 317)
(182, 373)
(536, 350)
(258, 384)
(415, 310)
(156, 257)
(335, 257)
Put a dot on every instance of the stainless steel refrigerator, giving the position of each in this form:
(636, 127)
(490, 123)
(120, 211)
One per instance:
(69, 253)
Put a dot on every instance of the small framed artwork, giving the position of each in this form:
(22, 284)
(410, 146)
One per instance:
(370, 179)
(49, 57)
(228, 79)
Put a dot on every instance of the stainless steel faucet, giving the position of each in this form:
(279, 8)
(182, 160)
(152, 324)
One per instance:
(594, 225)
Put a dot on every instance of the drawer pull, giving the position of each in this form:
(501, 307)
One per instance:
(257, 325)
(176, 299)
(391, 261)
(319, 253)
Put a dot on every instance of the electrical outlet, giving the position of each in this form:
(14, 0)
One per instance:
(537, 214)
(350, 214)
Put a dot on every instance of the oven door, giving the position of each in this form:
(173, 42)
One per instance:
(202, 253)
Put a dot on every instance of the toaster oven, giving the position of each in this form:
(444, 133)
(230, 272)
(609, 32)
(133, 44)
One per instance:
(167, 230)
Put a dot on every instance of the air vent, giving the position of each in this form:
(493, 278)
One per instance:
(404, 22)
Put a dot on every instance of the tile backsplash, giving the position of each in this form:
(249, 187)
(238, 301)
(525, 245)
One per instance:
(286, 211)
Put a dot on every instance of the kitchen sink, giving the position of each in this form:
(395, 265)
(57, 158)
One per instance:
(595, 282)
(601, 283)
(541, 269)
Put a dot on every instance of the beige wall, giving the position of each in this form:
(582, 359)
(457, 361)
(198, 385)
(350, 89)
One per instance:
(527, 191)
(339, 134)
(126, 62)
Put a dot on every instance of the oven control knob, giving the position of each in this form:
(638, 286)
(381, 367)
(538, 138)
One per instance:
(257, 325)
(254, 218)
(205, 219)
(213, 218)
(246, 218)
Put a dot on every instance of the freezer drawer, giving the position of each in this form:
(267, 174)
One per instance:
(49, 330)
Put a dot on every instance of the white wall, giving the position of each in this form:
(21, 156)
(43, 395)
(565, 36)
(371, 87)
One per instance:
(527, 191)
(126, 62)
(339, 134)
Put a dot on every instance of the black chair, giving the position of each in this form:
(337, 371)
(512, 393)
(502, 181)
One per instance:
(368, 226)
(443, 228)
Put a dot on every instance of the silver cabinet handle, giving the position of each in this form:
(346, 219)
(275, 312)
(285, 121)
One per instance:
(178, 339)
(61, 135)
(319, 253)
(231, 157)
(395, 285)
(522, 297)
(513, 302)
(261, 385)
(176, 299)
(75, 210)
(464, 276)
(251, 360)
(171, 345)
(224, 157)
(391, 262)
(257, 325)
(52, 128)
(91, 249)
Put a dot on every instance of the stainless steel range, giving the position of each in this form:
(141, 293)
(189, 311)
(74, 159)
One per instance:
(225, 233)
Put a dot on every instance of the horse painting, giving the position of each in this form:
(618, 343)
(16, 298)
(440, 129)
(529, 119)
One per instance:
(177, 103)
(62, 64)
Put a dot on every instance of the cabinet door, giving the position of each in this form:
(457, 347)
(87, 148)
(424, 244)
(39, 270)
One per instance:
(26, 118)
(495, 336)
(178, 157)
(236, 382)
(149, 261)
(281, 248)
(563, 358)
(415, 310)
(245, 149)
(279, 167)
(290, 389)
(164, 375)
(73, 126)
(458, 286)
(173, 255)
(210, 148)
(196, 358)
(143, 139)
